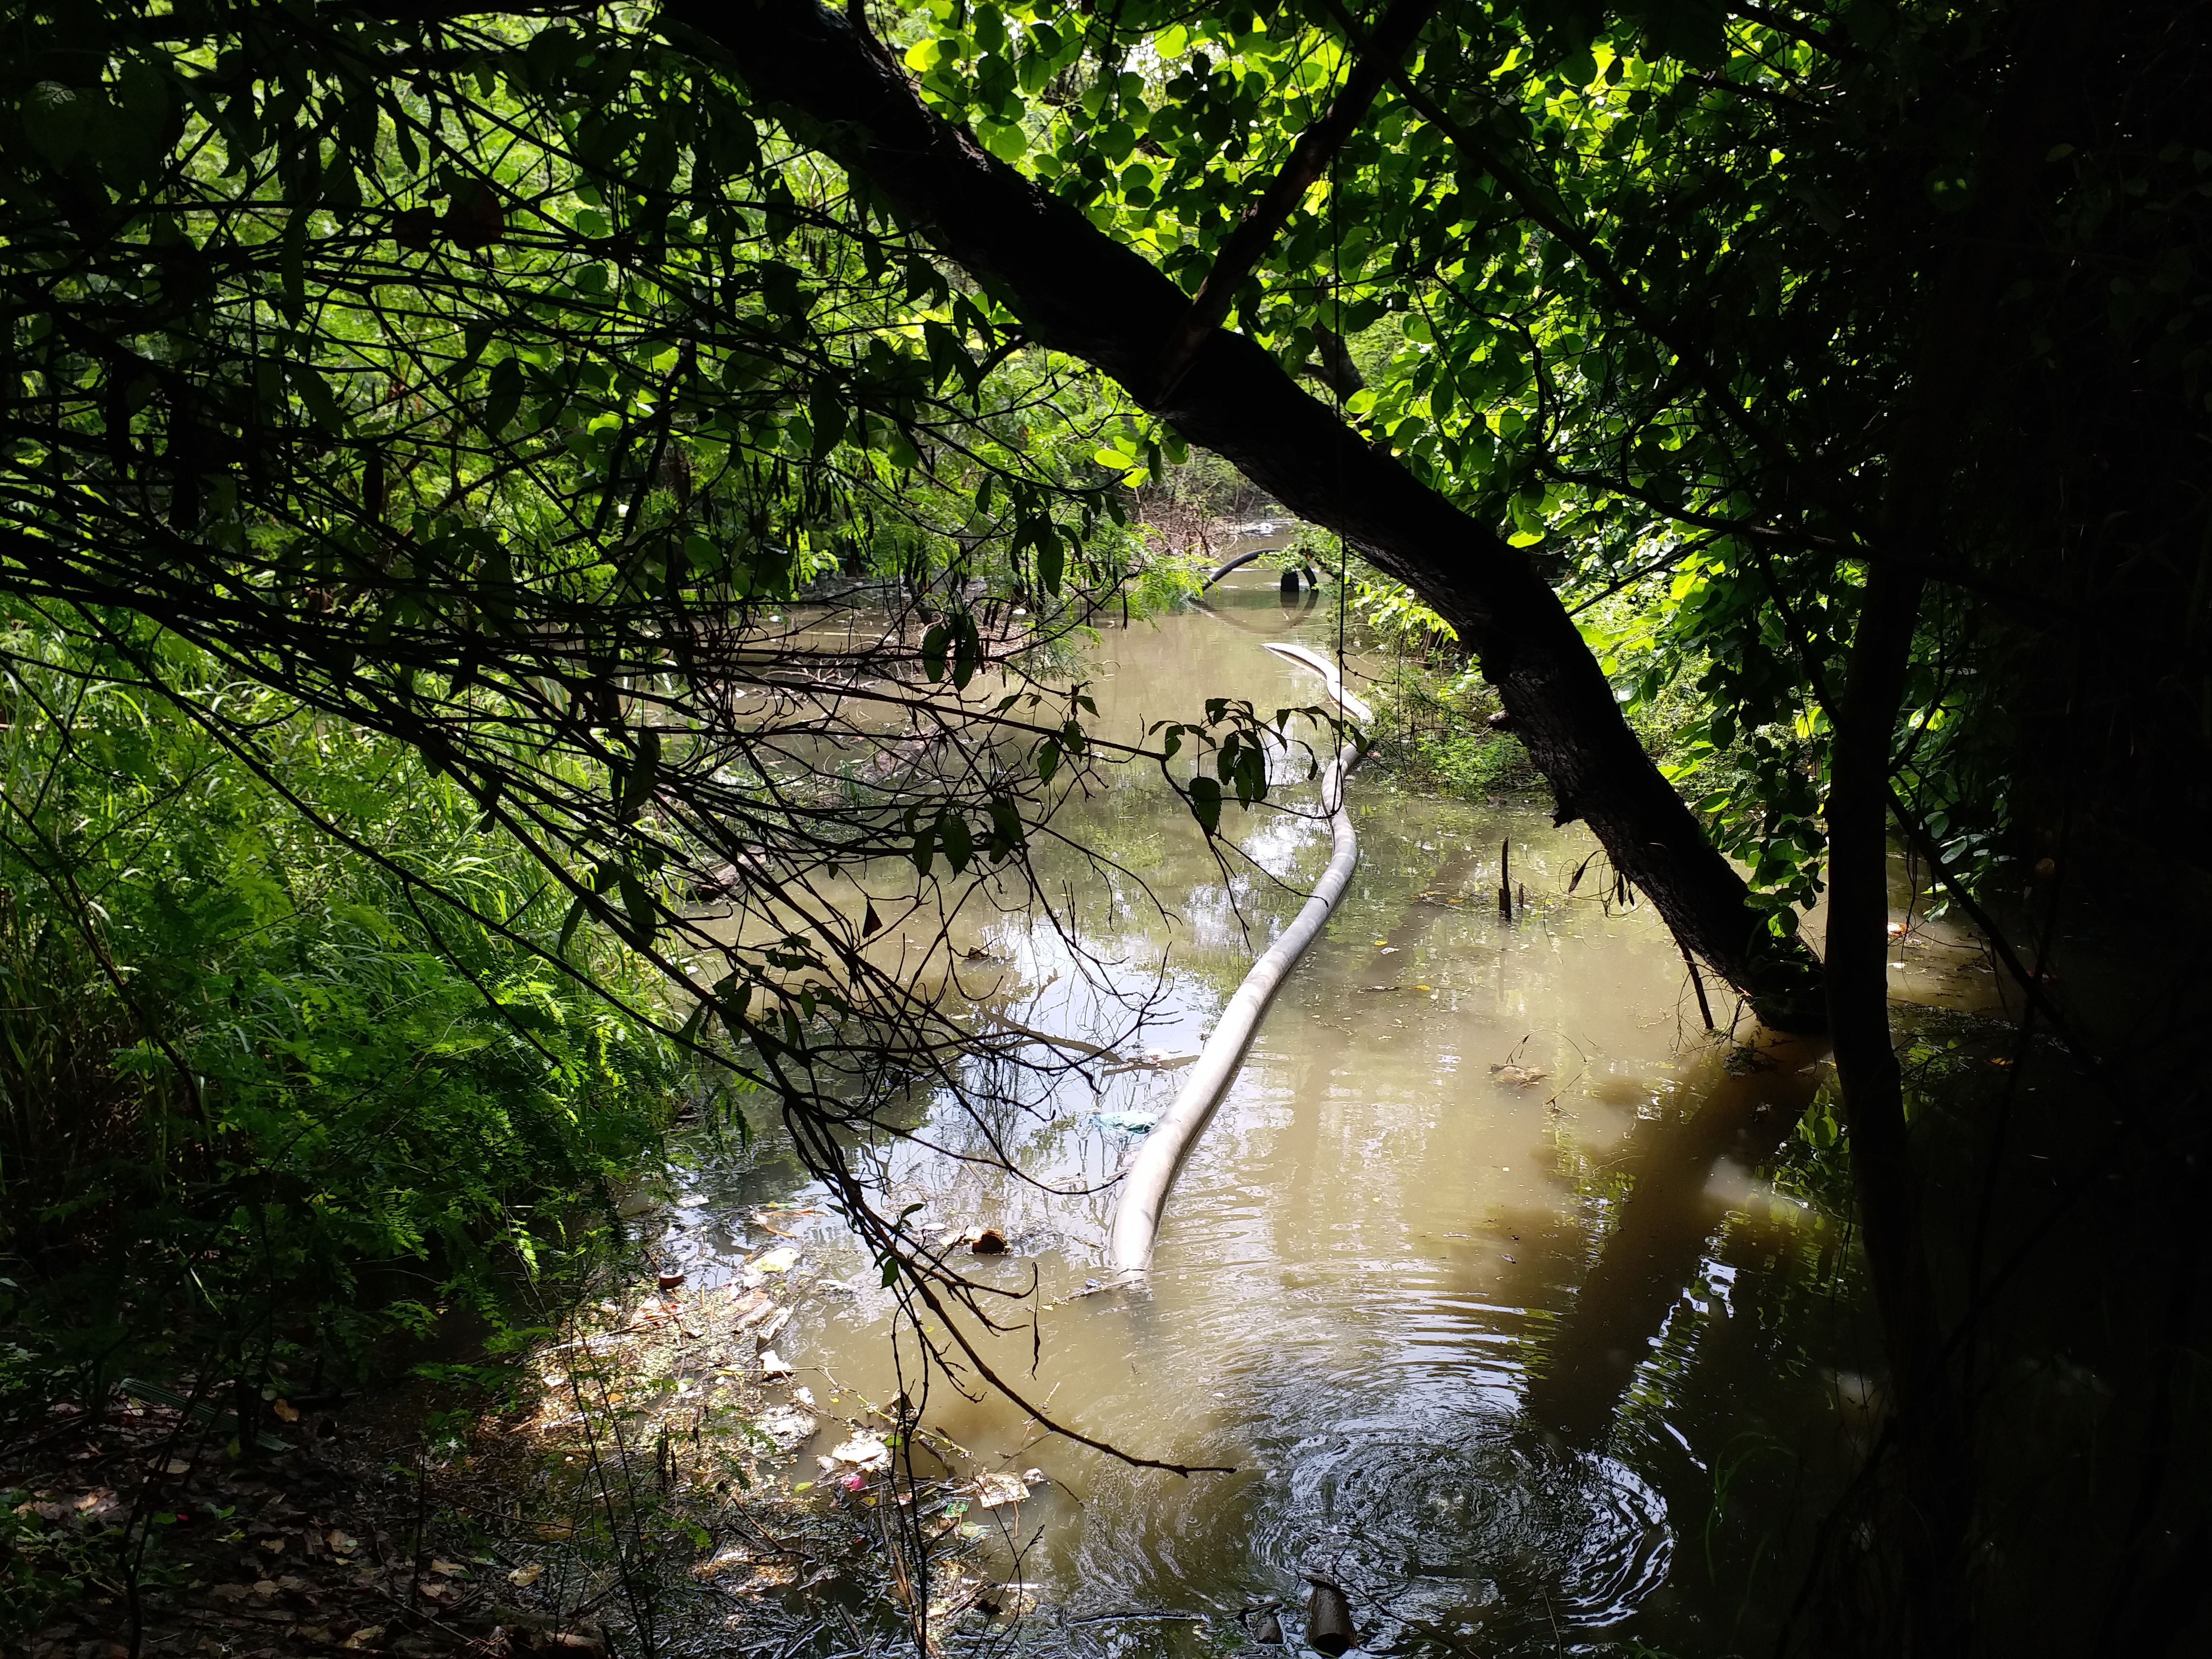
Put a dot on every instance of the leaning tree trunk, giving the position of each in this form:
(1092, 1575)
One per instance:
(1080, 291)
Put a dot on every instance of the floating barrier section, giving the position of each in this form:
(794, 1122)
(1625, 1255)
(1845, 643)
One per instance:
(1151, 1171)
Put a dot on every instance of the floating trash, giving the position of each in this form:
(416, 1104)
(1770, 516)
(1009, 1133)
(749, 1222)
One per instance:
(992, 1491)
(1126, 1123)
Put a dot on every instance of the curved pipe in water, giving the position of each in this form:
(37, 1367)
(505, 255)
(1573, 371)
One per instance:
(1244, 559)
(1159, 1156)
(1238, 563)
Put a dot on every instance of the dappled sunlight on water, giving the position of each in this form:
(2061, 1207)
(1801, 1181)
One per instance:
(1417, 1283)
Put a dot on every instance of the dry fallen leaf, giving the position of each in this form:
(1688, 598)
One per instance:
(285, 1411)
(274, 1546)
(524, 1577)
(366, 1637)
(449, 1569)
(341, 1543)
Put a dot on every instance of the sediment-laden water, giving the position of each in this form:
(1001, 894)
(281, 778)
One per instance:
(1474, 1283)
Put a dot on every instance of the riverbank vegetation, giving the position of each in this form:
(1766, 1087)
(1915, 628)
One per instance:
(270, 1092)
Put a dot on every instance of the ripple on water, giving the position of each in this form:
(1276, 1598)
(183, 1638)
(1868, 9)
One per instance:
(1493, 1522)
(1431, 1527)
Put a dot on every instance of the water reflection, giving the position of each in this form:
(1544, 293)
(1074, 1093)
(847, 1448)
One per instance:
(1456, 1196)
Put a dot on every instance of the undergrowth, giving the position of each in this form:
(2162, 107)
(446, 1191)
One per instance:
(266, 1095)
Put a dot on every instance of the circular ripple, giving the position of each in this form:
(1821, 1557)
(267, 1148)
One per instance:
(1496, 1517)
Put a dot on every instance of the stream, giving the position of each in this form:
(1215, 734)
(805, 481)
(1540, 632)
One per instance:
(1473, 1282)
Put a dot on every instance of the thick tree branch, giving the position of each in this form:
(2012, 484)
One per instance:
(1080, 291)
(1256, 232)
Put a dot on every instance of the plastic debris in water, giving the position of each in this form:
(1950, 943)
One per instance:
(992, 1490)
(865, 1449)
(1127, 1123)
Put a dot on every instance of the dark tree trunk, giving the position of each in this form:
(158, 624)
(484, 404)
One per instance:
(1079, 291)
(1930, 1438)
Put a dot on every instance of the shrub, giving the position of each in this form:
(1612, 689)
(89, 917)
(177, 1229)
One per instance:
(257, 1086)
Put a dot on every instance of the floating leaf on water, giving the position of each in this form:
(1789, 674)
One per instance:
(773, 1363)
(986, 1241)
(1519, 1076)
(781, 1260)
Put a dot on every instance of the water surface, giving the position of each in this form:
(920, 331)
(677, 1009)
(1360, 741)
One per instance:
(1472, 1281)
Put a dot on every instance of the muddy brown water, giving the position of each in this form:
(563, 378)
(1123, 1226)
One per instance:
(1526, 1359)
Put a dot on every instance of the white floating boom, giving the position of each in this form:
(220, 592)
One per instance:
(1152, 1170)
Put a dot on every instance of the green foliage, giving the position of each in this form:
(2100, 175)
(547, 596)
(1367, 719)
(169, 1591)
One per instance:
(258, 1087)
(1660, 291)
(1432, 728)
(501, 385)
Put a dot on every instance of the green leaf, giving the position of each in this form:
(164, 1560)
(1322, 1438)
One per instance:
(968, 655)
(54, 118)
(634, 783)
(953, 835)
(322, 408)
(644, 915)
(569, 928)
(1206, 804)
(502, 395)
(826, 415)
